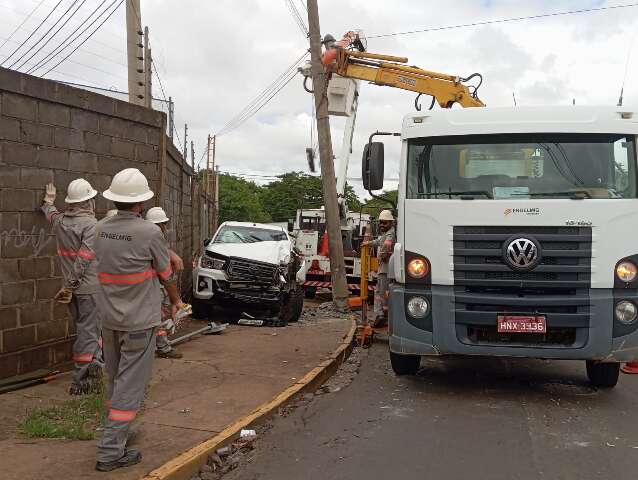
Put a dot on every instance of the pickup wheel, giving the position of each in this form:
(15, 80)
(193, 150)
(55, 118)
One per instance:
(201, 310)
(405, 364)
(603, 375)
(293, 306)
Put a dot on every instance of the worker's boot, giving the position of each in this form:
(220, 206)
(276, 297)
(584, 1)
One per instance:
(174, 354)
(130, 457)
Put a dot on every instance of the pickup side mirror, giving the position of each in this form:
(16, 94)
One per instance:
(372, 166)
(291, 226)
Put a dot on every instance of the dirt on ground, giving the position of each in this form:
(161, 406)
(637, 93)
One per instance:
(221, 378)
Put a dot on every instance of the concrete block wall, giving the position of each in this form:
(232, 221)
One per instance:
(50, 132)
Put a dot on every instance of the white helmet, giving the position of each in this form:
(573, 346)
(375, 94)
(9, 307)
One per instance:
(386, 216)
(156, 215)
(79, 190)
(129, 186)
(111, 213)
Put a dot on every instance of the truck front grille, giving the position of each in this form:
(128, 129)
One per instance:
(486, 286)
(242, 270)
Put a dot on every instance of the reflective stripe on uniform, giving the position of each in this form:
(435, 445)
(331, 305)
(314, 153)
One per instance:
(122, 415)
(83, 253)
(165, 274)
(52, 215)
(161, 333)
(83, 357)
(129, 279)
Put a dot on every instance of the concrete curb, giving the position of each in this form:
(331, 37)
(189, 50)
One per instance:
(188, 463)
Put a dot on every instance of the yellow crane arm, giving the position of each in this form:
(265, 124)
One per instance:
(390, 71)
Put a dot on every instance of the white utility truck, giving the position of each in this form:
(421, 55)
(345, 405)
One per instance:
(515, 236)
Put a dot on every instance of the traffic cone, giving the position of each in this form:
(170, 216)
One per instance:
(630, 367)
(324, 249)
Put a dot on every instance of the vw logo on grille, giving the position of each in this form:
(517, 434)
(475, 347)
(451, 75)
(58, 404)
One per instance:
(522, 253)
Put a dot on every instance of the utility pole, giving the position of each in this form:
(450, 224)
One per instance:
(206, 181)
(216, 211)
(134, 52)
(213, 187)
(171, 118)
(326, 158)
(185, 141)
(148, 72)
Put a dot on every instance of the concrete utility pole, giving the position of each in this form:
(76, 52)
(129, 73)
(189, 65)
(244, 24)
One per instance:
(134, 51)
(326, 158)
(148, 72)
(185, 141)
(171, 117)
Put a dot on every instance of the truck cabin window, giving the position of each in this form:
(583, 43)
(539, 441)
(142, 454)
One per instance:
(242, 234)
(522, 166)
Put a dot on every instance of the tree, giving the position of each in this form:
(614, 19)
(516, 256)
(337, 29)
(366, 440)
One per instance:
(374, 205)
(239, 201)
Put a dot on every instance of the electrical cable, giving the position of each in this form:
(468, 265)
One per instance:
(297, 18)
(86, 39)
(72, 37)
(40, 49)
(28, 17)
(506, 20)
(264, 93)
(627, 61)
(31, 35)
(258, 102)
(41, 38)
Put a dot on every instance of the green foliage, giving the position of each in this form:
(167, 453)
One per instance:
(74, 419)
(239, 201)
(244, 201)
(374, 206)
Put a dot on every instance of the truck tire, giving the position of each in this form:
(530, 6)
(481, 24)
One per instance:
(603, 375)
(310, 292)
(200, 309)
(293, 306)
(404, 364)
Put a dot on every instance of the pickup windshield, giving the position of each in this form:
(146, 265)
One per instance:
(240, 234)
(522, 166)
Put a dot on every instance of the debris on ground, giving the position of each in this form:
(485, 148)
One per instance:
(344, 375)
(323, 310)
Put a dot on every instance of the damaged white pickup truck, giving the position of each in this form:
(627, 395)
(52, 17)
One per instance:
(249, 270)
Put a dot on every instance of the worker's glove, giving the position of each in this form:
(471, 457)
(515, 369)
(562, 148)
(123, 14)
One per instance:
(169, 326)
(64, 295)
(50, 194)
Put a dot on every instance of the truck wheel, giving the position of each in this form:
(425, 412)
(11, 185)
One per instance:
(404, 364)
(293, 307)
(200, 309)
(603, 375)
(310, 292)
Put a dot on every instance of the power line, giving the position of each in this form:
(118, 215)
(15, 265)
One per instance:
(86, 39)
(506, 20)
(67, 41)
(31, 35)
(263, 98)
(42, 38)
(21, 25)
(297, 17)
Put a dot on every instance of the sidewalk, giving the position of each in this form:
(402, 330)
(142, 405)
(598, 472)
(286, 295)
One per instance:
(221, 378)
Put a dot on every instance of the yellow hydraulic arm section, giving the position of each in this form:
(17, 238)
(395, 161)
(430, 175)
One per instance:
(391, 71)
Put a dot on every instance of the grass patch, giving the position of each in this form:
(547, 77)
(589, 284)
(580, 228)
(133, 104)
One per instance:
(75, 419)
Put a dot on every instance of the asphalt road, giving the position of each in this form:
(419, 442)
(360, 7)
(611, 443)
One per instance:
(458, 419)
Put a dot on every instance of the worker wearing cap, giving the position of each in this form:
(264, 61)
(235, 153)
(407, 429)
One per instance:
(75, 233)
(164, 349)
(133, 260)
(385, 246)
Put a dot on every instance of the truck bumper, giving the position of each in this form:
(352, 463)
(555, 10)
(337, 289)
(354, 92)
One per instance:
(446, 330)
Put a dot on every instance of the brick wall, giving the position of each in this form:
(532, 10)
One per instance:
(50, 132)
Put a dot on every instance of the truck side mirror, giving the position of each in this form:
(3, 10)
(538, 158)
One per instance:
(291, 226)
(372, 166)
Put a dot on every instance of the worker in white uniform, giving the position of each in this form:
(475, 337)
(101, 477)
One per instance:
(132, 261)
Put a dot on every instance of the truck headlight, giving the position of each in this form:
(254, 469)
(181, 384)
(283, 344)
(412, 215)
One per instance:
(212, 263)
(418, 268)
(626, 312)
(418, 307)
(626, 271)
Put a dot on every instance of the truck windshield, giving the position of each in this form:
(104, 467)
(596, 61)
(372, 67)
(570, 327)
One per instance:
(240, 234)
(521, 166)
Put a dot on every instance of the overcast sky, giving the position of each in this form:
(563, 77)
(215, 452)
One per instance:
(214, 56)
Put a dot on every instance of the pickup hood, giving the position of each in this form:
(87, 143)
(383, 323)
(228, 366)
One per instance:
(267, 252)
(427, 228)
